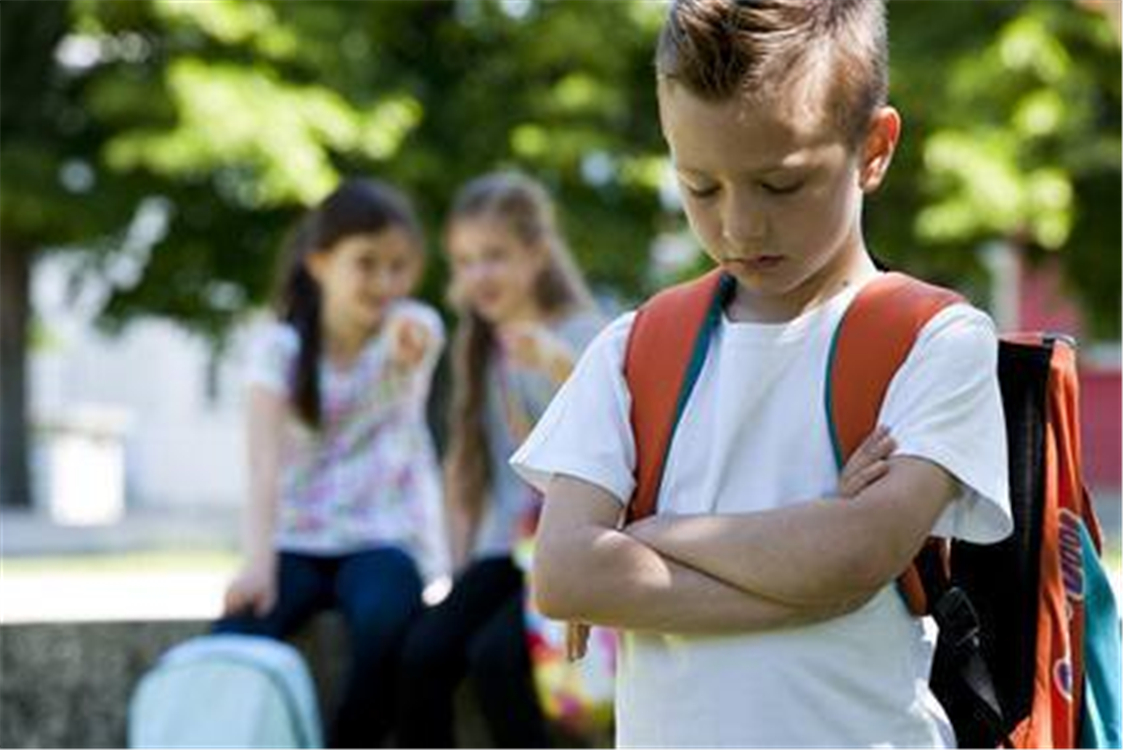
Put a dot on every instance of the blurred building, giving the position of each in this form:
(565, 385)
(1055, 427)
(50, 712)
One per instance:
(1032, 298)
(155, 391)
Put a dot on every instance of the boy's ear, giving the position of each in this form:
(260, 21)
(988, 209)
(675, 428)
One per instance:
(877, 150)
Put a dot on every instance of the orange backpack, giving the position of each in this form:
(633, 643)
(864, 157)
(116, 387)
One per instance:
(1003, 609)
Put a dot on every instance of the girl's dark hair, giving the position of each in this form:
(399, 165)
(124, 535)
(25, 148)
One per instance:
(357, 206)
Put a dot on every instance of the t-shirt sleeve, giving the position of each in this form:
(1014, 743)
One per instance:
(944, 405)
(272, 356)
(586, 430)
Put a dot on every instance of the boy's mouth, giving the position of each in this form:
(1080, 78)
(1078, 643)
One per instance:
(756, 263)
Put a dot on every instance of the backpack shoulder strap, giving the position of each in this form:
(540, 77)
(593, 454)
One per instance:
(872, 341)
(666, 349)
(870, 344)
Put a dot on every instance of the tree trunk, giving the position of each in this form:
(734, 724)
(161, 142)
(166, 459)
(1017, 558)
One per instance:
(15, 484)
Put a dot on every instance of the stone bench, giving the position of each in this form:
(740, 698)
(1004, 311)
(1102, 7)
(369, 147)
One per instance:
(68, 684)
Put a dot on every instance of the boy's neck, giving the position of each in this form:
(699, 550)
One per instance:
(852, 268)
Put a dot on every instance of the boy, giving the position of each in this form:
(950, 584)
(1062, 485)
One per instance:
(756, 608)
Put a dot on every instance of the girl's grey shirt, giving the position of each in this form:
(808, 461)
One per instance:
(516, 397)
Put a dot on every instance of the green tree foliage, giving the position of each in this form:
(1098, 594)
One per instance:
(239, 114)
(1012, 131)
(174, 141)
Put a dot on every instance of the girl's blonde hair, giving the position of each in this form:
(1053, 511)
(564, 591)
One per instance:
(522, 205)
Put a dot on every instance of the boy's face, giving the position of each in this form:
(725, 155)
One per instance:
(772, 192)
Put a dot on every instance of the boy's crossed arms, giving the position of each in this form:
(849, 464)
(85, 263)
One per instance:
(730, 573)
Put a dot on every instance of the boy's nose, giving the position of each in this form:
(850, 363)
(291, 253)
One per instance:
(743, 226)
(743, 235)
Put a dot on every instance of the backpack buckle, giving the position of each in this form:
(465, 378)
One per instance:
(956, 616)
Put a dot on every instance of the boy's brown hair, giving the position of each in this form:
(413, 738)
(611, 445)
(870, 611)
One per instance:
(834, 51)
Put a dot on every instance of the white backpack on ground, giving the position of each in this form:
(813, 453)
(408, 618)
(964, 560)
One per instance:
(226, 690)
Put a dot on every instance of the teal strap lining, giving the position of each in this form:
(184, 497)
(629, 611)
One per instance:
(726, 287)
(828, 397)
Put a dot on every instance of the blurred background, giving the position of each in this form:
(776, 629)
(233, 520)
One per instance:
(154, 152)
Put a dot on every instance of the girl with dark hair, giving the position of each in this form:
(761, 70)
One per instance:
(344, 506)
(525, 316)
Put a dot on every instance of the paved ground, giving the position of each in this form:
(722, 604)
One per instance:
(150, 566)
(30, 534)
(137, 596)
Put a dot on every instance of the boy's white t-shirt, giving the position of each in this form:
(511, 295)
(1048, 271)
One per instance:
(753, 437)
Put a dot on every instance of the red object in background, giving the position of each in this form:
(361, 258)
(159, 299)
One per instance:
(1100, 425)
(1044, 305)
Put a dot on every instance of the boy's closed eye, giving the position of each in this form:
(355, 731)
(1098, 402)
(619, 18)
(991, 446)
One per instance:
(772, 187)
(701, 193)
(781, 188)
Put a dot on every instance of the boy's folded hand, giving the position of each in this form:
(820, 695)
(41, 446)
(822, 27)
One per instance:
(868, 464)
